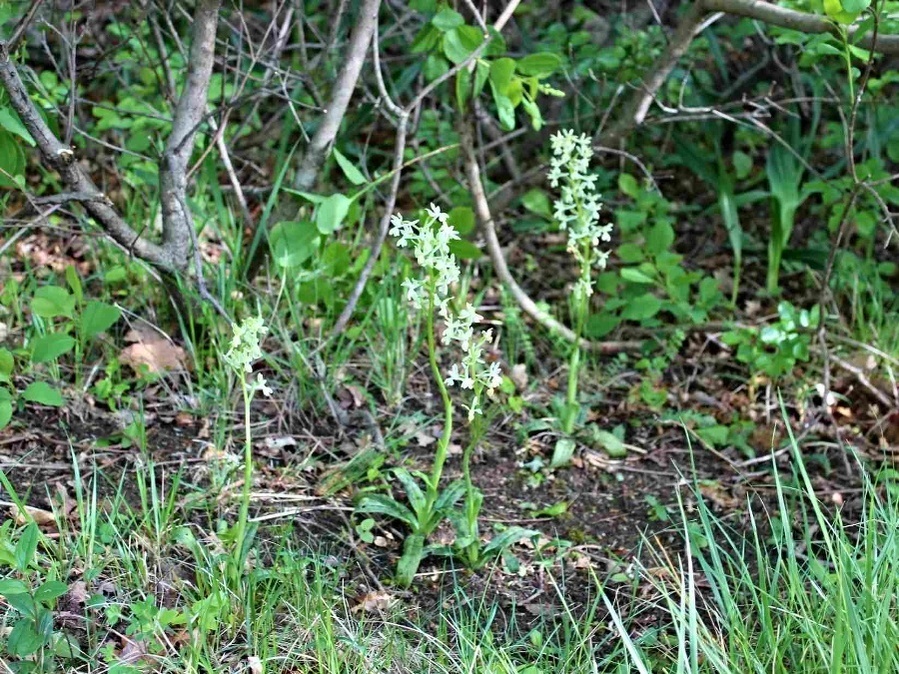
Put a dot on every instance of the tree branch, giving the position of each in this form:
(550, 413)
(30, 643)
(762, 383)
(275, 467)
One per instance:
(189, 114)
(62, 159)
(173, 254)
(804, 22)
(637, 106)
(343, 92)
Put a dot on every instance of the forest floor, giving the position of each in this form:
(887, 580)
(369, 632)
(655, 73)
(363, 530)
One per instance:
(707, 435)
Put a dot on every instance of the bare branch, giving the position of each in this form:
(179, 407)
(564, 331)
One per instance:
(62, 159)
(343, 91)
(23, 24)
(189, 113)
(636, 107)
(694, 21)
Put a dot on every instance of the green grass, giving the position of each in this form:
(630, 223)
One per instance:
(804, 591)
(801, 590)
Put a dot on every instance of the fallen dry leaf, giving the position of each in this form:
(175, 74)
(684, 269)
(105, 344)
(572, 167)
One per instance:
(43, 518)
(184, 419)
(132, 652)
(153, 351)
(424, 438)
(374, 602)
(254, 664)
(519, 376)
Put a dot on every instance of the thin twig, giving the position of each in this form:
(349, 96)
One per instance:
(402, 123)
(343, 90)
(482, 210)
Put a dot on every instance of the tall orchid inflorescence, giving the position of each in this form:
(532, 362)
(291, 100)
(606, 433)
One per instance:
(577, 210)
(429, 243)
(431, 293)
(245, 349)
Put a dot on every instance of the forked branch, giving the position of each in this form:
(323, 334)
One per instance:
(173, 254)
(637, 105)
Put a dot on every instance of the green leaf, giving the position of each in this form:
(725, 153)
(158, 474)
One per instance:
(742, 164)
(292, 243)
(508, 537)
(74, 283)
(465, 250)
(10, 586)
(505, 110)
(27, 547)
(539, 65)
(7, 362)
(413, 553)
(716, 435)
(50, 590)
(450, 496)
(98, 317)
(611, 443)
(379, 504)
(413, 492)
(42, 393)
(562, 452)
(628, 185)
(453, 48)
(447, 19)
(5, 412)
(352, 174)
(23, 640)
(463, 88)
(52, 301)
(536, 201)
(481, 75)
(642, 307)
(600, 325)
(12, 161)
(630, 253)
(331, 212)
(501, 71)
(23, 603)
(50, 347)
(533, 111)
(660, 237)
(435, 66)
(426, 40)
(462, 220)
(459, 43)
(9, 120)
(634, 275)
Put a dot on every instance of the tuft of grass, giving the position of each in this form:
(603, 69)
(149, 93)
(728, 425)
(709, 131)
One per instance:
(806, 591)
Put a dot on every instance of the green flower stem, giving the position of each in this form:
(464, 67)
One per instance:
(443, 443)
(476, 431)
(574, 364)
(580, 311)
(247, 473)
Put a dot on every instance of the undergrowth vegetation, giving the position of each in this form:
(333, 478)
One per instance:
(511, 337)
